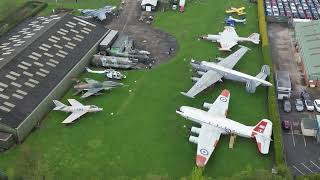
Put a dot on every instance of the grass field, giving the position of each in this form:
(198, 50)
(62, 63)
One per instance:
(145, 137)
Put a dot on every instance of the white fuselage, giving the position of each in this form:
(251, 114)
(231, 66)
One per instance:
(80, 109)
(227, 126)
(216, 38)
(232, 74)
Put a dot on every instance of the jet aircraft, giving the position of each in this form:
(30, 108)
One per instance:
(98, 13)
(77, 109)
(214, 123)
(213, 72)
(229, 38)
(93, 87)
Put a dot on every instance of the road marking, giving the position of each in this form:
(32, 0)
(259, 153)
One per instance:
(298, 170)
(307, 167)
(294, 143)
(315, 164)
(304, 139)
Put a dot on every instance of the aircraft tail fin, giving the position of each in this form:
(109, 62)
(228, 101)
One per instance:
(264, 73)
(255, 38)
(58, 104)
(262, 133)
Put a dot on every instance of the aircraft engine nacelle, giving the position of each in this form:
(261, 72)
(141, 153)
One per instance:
(251, 86)
(195, 130)
(195, 79)
(207, 105)
(200, 73)
(193, 139)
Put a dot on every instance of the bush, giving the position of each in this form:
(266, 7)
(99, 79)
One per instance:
(272, 102)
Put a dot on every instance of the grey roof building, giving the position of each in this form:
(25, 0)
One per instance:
(37, 59)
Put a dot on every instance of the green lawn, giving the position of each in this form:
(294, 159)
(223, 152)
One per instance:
(145, 137)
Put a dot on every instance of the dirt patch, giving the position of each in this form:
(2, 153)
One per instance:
(145, 36)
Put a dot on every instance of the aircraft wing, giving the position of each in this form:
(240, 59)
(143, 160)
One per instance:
(208, 139)
(232, 60)
(228, 36)
(221, 104)
(75, 115)
(101, 15)
(90, 81)
(209, 78)
(227, 44)
(91, 92)
(74, 102)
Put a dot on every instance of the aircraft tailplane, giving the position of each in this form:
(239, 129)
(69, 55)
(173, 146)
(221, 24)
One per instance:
(58, 104)
(264, 73)
(262, 133)
(255, 38)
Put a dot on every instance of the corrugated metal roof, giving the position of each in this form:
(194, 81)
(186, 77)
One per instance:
(283, 79)
(152, 2)
(308, 37)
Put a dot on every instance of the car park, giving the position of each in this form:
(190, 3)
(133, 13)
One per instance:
(299, 105)
(286, 105)
(316, 103)
(285, 125)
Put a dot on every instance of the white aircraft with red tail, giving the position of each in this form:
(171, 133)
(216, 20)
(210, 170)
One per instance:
(214, 123)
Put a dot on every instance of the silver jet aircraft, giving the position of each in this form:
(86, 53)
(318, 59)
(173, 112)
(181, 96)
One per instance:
(97, 13)
(214, 72)
(229, 38)
(93, 87)
(77, 109)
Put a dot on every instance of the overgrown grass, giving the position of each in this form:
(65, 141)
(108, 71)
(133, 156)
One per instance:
(145, 137)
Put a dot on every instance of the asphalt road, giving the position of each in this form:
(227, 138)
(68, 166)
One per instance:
(301, 153)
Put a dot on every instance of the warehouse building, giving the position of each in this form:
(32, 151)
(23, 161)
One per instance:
(307, 37)
(37, 60)
(149, 5)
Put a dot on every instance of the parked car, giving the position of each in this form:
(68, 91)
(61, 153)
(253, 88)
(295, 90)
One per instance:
(285, 125)
(307, 100)
(299, 105)
(286, 105)
(316, 103)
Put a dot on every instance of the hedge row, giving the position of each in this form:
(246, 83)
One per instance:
(28, 9)
(272, 98)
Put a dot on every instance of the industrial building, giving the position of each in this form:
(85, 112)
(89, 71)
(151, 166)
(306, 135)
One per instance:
(149, 5)
(283, 84)
(37, 60)
(307, 37)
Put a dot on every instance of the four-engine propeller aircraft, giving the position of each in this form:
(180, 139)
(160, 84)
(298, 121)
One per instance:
(239, 11)
(229, 38)
(214, 123)
(213, 72)
(93, 87)
(77, 109)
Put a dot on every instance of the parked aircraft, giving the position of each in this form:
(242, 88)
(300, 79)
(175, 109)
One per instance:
(239, 11)
(214, 123)
(98, 13)
(214, 72)
(230, 21)
(77, 109)
(114, 62)
(93, 87)
(229, 38)
(109, 73)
